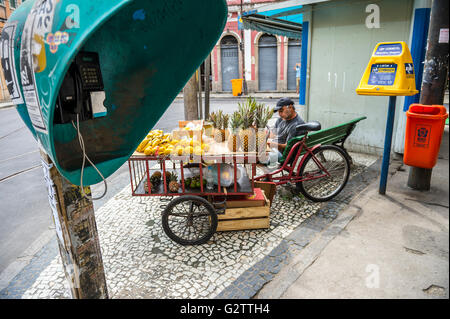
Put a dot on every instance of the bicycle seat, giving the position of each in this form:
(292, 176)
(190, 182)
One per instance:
(310, 126)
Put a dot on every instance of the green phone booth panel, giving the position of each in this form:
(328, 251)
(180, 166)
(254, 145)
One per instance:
(146, 52)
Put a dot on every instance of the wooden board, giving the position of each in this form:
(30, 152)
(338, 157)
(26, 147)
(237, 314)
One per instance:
(243, 224)
(245, 218)
(246, 212)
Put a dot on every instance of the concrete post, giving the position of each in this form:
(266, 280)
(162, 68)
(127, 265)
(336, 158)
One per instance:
(191, 99)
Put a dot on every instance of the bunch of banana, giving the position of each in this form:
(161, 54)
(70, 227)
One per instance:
(157, 143)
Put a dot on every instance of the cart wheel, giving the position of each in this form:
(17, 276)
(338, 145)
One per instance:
(189, 220)
(321, 189)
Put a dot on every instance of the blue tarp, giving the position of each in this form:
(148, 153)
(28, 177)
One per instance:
(282, 21)
(297, 18)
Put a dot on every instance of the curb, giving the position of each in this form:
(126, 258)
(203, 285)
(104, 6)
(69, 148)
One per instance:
(15, 268)
(6, 105)
(256, 95)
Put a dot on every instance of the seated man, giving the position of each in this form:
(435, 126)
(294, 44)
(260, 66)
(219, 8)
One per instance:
(285, 128)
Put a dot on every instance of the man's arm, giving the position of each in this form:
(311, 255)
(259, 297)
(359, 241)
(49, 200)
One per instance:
(276, 145)
(273, 130)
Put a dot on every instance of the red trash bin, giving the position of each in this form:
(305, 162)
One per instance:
(424, 130)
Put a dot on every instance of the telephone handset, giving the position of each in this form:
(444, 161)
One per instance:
(82, 91)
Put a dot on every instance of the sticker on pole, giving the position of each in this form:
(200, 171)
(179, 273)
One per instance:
(8, 62)
(33, 58)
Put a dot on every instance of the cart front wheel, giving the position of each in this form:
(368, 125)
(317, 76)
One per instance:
(189, 220)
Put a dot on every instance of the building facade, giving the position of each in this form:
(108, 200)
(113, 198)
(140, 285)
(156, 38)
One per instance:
(6, 8)
(267, 61)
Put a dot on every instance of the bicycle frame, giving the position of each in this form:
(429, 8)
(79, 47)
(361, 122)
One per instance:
(293, 176)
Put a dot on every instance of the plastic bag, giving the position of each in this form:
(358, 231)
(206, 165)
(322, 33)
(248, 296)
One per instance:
(226, 174)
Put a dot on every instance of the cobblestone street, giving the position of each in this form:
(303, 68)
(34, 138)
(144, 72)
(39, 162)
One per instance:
(142, 262)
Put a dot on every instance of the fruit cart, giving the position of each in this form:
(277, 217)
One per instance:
(197, 187)
(200, 169)
(194, 197)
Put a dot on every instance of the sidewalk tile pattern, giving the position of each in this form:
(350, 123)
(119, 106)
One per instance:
(142, 262)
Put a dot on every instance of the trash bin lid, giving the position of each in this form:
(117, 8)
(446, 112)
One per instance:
(438, 112)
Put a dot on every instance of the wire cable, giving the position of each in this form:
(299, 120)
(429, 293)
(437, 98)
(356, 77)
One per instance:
(81, 141)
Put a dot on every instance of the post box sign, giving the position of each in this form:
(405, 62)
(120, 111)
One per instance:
(105, 70)
(390, 71)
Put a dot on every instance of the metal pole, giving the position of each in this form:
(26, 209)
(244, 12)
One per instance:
(207, 82)
(244, 81)
(434, 77)
(387, 145)
(200, 103)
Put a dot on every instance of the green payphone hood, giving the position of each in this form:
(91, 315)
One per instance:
(148, 50)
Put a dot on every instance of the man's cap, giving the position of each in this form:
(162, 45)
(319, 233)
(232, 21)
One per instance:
(283, 102)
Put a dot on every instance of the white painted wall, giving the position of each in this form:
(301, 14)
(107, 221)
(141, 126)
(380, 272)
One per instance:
(341, 47)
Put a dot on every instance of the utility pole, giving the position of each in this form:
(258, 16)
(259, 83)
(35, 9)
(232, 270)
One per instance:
(76, 233)
(207, 81)
(242, 47)
(434, 77)
(191, 99)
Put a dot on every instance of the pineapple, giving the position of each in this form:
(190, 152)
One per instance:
(224, 126)
(155, 179)
(233, 140)
(262, 116)
(157, 174)
(173, 184)
(220, 123)
(213, 119)
(168, 176)
(247, 137)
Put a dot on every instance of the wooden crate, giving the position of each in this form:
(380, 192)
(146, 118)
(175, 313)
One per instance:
(245, 218)
(269, 189)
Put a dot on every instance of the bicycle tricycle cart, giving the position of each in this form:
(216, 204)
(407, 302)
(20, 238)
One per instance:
(202, 183)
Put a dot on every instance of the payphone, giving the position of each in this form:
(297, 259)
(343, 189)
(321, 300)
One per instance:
(93, 77)
(82, 91)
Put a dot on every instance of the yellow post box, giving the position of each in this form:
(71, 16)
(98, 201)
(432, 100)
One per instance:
(390, 71)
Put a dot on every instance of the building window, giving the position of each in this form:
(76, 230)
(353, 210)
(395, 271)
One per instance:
(12, 4)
